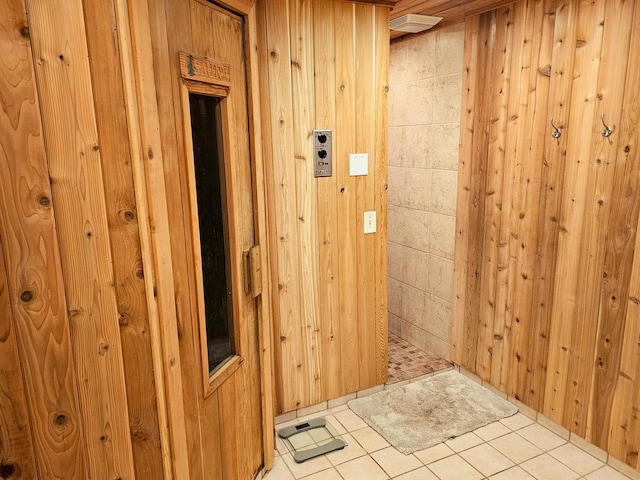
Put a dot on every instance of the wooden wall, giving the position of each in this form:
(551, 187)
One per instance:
(325, 66)
(546, 265)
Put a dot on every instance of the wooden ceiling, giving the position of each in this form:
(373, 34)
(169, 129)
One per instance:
(451, 11)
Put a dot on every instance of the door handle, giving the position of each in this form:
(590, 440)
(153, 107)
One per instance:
(252, 262)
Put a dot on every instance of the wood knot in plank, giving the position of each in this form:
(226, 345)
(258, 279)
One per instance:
(103, 349)
(150, 154)
(7, 470)
(60, 419)
(44, 201)
(294, 63)
(123, 319)
(634, 300)
(580, 43)
(26, 296)
(24, 31)
(546, 70)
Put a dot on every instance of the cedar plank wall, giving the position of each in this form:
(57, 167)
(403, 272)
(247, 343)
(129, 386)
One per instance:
(547, 277)
(75, 286)
(324, 65)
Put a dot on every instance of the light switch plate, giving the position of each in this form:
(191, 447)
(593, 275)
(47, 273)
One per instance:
(370, 222)
(358, 164)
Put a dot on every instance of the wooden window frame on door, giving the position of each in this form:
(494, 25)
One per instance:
(212, 79)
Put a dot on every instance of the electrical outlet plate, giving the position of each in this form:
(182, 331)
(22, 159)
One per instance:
(322, 154)
(358, 164)
(370, 222)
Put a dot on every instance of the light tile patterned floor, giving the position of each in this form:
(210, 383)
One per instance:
(514, 448)
(407, 361)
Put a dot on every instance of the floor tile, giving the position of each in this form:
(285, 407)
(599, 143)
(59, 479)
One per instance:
(486, 459)
(433, 454)
(406, 361)
(349, 420)
(394, 462)
(606, 473)
(514, 473)
(545, 467)
(491, 431)
(463, 442)
(351, 451)
(334, 426)
(422, 473)
(369, 439)
(331, 474)
(279, 471)
(516, 448)
(541, 437)
(304, 469)
(517, 421)
(363, 468)
(576, 459)
(454, 468)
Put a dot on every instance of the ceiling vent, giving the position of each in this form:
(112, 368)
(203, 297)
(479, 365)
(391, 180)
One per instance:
(413, 23)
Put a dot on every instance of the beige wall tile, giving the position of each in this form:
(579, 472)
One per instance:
(396, 182)
(416, 146)
(395, 260)
(437, 346)
(447, 98)
(412, 304)
(444, 145)
(417, 188)
(439, 317)
(415, 227)
(394, 323)
(440, 282)
(395, 297)
(420, 110)
(414, 335)
(444, 184)
(412, 59)
(395, 146)
(395, 233)
(442, 231)
(449, 48)
(416, 268)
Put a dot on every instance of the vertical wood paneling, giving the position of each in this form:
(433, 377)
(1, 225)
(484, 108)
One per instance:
(624, 438)
(622, 229)
(304, 120)
(33, 268)
(471, 191)
(568, 297)
(365, 122)
(344, 144)
(489, 335)
(564, 309)
(108, 96)
(380, 169)
(325, 66)
(551, 199)
(17, 456)
(328, 232)
(75, 167)
(293, 384)
(526, 379)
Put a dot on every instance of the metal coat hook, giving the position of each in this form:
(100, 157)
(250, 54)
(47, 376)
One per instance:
(607, 130)
(557, 132)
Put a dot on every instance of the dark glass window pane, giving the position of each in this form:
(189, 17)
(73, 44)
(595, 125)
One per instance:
(208, 152)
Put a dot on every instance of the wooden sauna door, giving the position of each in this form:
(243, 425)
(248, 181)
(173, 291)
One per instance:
(215, 299)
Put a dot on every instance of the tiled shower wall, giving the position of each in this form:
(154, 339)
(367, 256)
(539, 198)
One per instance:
(424, 133)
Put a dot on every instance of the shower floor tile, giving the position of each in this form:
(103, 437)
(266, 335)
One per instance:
(407, 361)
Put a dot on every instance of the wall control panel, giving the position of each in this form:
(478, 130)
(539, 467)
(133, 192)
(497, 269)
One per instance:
(322, 155)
